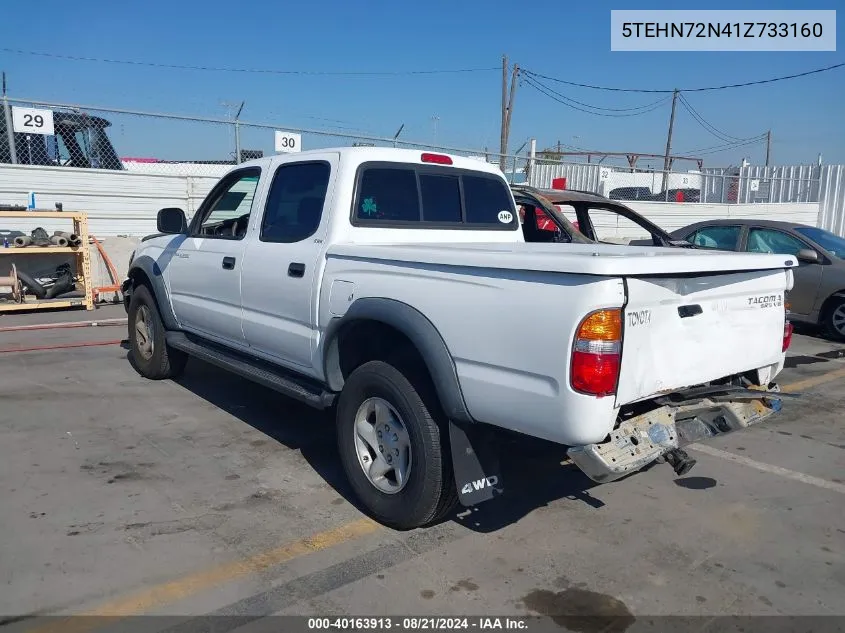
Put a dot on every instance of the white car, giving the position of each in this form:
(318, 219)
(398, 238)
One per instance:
(395, 288)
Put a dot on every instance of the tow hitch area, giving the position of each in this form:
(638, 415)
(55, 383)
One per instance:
(678, 420)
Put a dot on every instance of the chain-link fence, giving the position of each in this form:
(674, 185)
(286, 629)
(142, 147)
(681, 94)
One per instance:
(52, 134)
(739, 185)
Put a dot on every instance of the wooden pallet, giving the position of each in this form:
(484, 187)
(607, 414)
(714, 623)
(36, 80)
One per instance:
(83, 261)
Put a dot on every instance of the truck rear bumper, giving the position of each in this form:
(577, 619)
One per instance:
(695, 416)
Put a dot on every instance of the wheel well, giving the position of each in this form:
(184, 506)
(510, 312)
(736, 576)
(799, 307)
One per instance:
(140, 278)
(834, 297)
(365, 340)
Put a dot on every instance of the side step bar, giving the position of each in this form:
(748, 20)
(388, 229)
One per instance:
(276, 378)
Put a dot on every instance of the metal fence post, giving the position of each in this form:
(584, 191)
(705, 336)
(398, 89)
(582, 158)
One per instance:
(10, 132)
(237, 142)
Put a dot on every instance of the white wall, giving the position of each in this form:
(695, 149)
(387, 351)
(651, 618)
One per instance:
(117, 203)
(126, 203)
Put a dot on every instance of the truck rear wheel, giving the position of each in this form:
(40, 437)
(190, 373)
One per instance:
(393, 450)
(151, 355)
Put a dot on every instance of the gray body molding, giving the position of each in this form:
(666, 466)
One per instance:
(153, 272)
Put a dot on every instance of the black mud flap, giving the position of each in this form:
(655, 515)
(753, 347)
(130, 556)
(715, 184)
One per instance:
(475, 460)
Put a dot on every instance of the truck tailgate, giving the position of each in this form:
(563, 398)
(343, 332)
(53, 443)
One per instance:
(687, 330)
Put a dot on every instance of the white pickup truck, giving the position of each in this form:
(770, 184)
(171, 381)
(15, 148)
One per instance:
(396, 288)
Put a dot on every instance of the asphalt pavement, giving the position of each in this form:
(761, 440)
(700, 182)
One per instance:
(210, 495)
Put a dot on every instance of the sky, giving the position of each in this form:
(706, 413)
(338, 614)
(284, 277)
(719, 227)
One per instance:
(566, 40)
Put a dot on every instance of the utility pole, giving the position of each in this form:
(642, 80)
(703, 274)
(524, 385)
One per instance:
(510, 105)
(507, 109)
(768, 146)
(666, 160)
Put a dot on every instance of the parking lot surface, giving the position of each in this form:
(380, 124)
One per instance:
(211, 495)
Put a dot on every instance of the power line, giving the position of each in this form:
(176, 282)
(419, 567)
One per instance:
(721, 148)
(722, 136)
(723, 87)
(647, 107)
(542, 89)
(267, 71)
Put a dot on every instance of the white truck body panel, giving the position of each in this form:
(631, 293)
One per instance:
(512, 365)
(739, 329)
(507, 311)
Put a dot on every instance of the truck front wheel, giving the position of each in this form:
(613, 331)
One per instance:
(393, 449)
(151, 355)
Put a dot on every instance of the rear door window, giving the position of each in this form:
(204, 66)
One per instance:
(295, 203)
(719, 237)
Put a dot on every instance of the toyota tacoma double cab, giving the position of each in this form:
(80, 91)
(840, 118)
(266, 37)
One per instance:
(390, 288)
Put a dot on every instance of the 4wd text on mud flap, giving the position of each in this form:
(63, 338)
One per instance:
(478, 484)
(766, 301)
(640, 317)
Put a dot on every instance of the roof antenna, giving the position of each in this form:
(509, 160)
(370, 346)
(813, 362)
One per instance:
(4, 83)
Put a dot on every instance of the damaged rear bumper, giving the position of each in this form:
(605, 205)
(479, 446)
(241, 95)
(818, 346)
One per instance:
(678, 420)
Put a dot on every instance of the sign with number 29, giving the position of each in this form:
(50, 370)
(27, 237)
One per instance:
(32, 120)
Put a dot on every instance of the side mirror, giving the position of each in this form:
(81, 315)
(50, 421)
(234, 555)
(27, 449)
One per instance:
(171, 221)
(808, 256)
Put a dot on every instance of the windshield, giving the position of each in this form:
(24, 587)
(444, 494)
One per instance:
(825, 239)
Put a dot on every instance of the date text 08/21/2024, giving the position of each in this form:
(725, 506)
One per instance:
(417, 623)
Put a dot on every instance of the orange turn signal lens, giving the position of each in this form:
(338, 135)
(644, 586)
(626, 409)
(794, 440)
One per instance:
(602, 325)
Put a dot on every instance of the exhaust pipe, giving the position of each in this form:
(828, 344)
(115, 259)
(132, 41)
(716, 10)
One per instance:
(23, 241)
(58, 240)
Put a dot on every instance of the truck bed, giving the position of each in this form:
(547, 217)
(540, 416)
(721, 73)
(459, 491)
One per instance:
(586, 259)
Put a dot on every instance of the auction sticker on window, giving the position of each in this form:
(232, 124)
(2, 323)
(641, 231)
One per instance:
(32, 120)
(712, 30)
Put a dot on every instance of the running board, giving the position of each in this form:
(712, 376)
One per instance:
(258, 371)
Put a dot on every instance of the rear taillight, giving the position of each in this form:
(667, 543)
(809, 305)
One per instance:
(787, 335)
(596, 355)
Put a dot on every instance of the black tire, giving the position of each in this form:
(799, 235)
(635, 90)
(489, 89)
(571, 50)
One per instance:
(831, 319)
(164, 362)
(430, 492)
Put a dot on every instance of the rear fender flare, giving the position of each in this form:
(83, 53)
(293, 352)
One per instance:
(423, 335)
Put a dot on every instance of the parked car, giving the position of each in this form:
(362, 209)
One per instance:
(630, 193)
(394, 289)
(676, 195)
(593, 216)
(819, 294)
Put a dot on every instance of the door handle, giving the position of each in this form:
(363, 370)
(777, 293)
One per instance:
(296, 269)
(228, 263)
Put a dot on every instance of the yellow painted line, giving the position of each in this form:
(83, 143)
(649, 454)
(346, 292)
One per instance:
(146, 600)
(813, 381)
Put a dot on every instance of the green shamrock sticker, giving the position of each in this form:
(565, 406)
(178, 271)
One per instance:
(369, 206)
